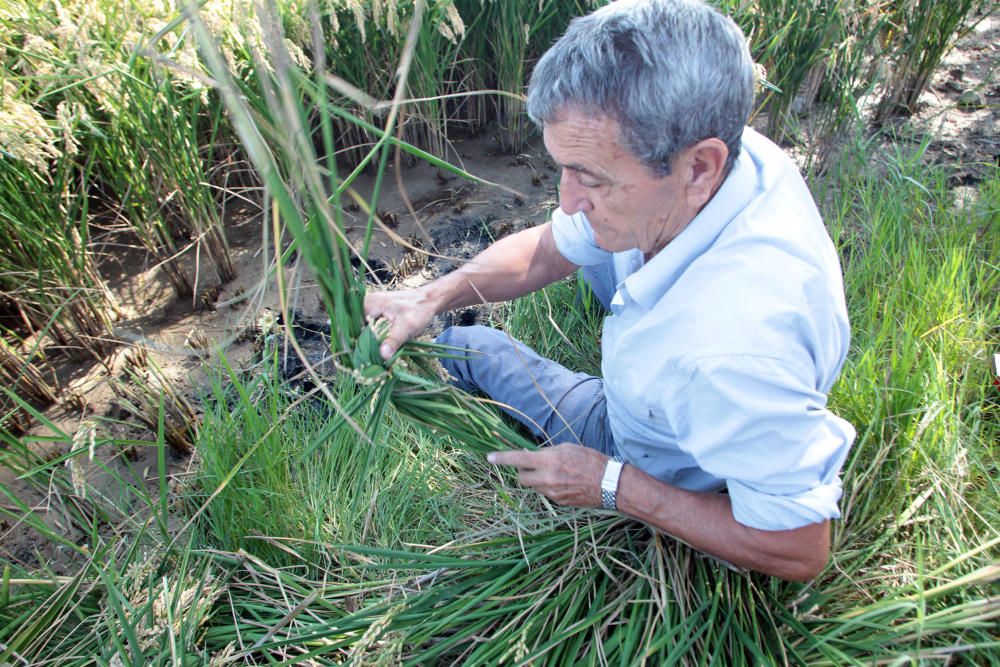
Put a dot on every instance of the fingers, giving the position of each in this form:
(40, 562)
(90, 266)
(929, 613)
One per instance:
(374, 306)
(538, 480)
(519, 459)
(407, 317)
(530, 467)
(568, 474)
(381, 305)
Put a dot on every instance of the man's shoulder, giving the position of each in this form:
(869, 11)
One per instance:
(765, 152)
(781, 229)
(758, 294)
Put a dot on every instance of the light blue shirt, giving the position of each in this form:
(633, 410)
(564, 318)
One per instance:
(720, 350)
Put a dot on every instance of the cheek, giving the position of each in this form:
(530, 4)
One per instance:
(616, 213)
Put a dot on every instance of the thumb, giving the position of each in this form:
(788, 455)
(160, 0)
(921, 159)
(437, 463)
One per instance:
(388, 348)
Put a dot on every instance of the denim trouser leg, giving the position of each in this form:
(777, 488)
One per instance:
(555, 403)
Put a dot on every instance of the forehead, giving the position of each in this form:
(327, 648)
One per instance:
(591, 144)
(577, 138)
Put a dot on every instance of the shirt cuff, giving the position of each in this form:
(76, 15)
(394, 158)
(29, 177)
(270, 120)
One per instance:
(766, 511)
(575, 239)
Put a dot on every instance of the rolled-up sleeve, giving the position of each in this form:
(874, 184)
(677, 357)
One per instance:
(758, 424)
(575, 239)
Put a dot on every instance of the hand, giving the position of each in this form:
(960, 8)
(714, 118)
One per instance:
(568, 474)
(409, 312)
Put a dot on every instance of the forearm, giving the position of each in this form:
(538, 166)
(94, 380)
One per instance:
(513, 266)
(706, 522)
(571, 475)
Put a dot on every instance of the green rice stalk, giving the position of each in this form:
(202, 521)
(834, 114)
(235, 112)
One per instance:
(154, 159)
(510, 42)
(917, 35)
(795, 43)
(45, 266)
(325, 248)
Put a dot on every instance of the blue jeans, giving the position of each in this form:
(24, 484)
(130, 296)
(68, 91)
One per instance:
(556, 404)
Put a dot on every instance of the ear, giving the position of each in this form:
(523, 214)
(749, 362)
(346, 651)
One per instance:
(704, 170)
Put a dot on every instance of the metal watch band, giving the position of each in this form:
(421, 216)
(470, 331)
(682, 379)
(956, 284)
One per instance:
(609, 484)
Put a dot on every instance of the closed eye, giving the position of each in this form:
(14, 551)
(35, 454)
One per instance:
(584, 178)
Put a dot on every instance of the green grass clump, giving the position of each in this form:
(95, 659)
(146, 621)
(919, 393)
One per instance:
(289, 502)
(922, 285)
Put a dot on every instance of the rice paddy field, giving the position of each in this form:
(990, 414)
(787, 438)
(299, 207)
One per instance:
(205, 461)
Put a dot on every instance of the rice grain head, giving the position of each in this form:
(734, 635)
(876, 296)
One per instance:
(759, 78)
(24, 133)
(388, 10)
(452, 27)
(68, 116)
(78, 477)
(37, 57)
(298, 56)
(389, 646)
(195, 598)
(233, 24)
(224, 657)
(86, 434)
(295, 20)
(357, 8)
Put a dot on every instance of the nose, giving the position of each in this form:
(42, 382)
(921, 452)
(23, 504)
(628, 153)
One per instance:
(572, 197)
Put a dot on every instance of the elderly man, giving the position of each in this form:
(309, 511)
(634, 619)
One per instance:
(726, 326)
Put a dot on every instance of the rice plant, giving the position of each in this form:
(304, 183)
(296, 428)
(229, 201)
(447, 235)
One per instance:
(308, 202)
(397, 488)
(25, 371)
(916, 36)
(127, 596)
(151, 396)
(47, 269)
(146, 130)
(794, 42)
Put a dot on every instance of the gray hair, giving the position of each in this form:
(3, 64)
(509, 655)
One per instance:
(670, 72)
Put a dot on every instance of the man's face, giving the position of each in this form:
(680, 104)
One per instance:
(627, 206)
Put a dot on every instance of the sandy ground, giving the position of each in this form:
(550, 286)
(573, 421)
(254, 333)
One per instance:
(441, 213)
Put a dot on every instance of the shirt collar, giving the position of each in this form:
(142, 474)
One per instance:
(649, 283)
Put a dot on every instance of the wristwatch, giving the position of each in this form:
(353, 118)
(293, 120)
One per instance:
(609, 485)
